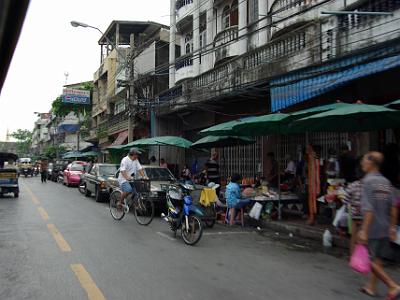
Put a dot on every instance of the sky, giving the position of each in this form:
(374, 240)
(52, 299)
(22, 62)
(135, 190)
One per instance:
(49, 47)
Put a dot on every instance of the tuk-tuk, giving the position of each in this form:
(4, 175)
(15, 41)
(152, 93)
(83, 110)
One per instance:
(25, 167)
(8, 174)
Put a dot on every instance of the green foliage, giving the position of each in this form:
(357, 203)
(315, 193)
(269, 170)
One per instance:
(61, 109)
(24, 139)
(22, 135)
(52, 151)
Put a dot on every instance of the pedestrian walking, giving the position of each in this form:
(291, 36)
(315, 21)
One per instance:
(379, 223)
(43, 170)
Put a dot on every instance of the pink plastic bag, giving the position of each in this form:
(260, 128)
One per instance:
(360, 261)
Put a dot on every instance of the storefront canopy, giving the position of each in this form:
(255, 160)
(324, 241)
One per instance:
(121, 138)
(175, 141)
(300, 86)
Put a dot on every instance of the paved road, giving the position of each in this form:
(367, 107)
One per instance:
(57, 244)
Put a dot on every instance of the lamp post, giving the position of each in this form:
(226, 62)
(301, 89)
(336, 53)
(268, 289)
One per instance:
(131, 97)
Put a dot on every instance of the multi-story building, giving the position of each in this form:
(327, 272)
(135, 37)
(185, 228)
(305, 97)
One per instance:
(114, 122)
(40, 134)
(246, 57)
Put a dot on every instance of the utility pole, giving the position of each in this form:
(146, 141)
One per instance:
(131, 88)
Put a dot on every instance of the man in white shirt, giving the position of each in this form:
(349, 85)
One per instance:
(129, 165)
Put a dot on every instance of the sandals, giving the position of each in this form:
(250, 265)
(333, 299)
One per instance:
(395, 296)
(367, 292)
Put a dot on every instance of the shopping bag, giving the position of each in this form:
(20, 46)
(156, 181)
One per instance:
(255, 211)
(339, 214)
(360, 261)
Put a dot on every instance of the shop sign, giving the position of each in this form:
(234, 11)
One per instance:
(75, 96)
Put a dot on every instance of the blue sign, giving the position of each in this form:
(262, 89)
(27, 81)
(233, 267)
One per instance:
(76, 96)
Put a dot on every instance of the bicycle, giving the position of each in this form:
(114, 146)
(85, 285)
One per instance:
(139, 200)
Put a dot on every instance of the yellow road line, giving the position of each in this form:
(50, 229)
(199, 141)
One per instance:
(87, 282)
(43, 213)
(61, 242)
(34, 199)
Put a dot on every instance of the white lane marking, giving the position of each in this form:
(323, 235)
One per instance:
(228, 232)
(166, 236)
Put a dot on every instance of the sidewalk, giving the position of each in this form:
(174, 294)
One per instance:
(300, 229)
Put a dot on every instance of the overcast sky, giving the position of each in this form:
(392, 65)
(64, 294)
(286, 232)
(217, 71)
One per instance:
(49, 46)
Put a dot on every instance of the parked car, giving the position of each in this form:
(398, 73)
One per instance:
(95, 181)
(157, 176)
(73, 171)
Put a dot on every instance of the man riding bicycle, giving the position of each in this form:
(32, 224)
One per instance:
(129, 165)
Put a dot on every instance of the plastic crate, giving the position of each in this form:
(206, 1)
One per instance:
(142, 186)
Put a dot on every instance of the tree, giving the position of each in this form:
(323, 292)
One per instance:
(53, 151)
(24, 140)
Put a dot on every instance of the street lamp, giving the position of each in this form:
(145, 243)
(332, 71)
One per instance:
(84, 25)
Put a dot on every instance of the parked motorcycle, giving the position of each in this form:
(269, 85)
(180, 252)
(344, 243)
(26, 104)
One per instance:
(82, 184)
(60, 177)
(182, 213)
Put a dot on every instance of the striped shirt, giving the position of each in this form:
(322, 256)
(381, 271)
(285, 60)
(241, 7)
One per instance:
(353, 199)
(212, 170)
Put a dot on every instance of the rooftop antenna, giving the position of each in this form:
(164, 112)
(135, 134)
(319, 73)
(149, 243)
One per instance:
(66, 74)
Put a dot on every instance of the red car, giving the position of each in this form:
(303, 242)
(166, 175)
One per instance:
(73, 171)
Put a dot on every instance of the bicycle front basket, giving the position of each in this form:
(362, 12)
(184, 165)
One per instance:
(142, 186)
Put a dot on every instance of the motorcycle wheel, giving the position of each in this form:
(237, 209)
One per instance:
(194, 232)
(82, 188)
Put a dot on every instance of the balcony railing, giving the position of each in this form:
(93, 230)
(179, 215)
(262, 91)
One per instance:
(277, 49)
(174, 92)
(226, 36)
(184, 61)
(182, 3)
(118, 122)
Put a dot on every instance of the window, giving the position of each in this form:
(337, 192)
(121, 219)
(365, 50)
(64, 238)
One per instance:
(188, 43)
(252, 8)
(93, 171)
(119, 107)
(226, 17)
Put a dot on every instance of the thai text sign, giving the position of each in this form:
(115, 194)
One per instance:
(76, 96)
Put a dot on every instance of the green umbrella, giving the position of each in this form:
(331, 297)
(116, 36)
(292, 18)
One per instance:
(394, 104)
(318, 109)
(355, 118)
(175, 141)
(212, 141)
(116, 147)
(90, 153)
(72, 154)
(262, 125)
(223, 128)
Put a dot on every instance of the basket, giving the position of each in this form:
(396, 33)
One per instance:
(141, 186)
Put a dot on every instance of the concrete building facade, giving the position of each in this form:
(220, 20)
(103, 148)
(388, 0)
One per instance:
(249, 57)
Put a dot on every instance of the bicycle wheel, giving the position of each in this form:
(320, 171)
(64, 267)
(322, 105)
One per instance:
(144, 210)
(116, 210)
(194, 233)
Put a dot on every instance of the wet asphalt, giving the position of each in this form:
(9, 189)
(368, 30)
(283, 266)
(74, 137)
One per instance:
(122, 260)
